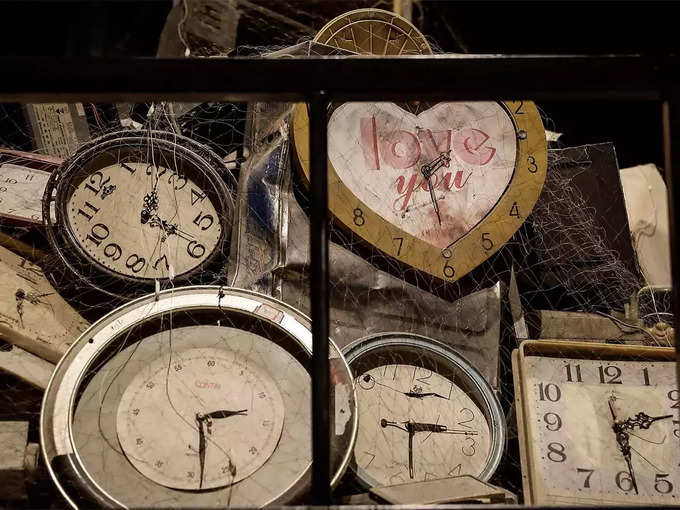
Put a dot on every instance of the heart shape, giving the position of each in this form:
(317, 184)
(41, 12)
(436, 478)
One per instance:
(441, 190)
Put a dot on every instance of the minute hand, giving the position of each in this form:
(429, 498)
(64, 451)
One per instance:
(413, 426)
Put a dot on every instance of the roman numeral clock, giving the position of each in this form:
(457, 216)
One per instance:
(439, 187)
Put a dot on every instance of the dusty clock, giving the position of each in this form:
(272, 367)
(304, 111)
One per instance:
(134, 208)
(196, 397)
(424, 412)
(598, 423)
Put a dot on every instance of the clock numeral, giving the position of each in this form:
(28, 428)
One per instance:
(472, 417)
(401, 243)
(487, 243)
(211, 363)
(207, 217)
(674, 395)
(552, 424)
(469, 449)
(113, 251)
(549, 392)
(266, 423)
(676, 430)
(262, 394)
(556, 452)
(196, 196)
(514, 210)
(139, 441)
(158, 261)
(359, 219)
(662, 486)
(455, 471)
(518, 110)
(129, 168)
(623, 478)
(98, 233)
(178, 367)
(645, 374)
(577, 370)
(586, 482)
(179, 178)
(97, 182)
(532, 166)
(92, 208)
(611, 371)
(449, 271)
(135, 263)
(195, 249)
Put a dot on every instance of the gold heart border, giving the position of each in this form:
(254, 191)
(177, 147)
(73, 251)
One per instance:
(478, 244)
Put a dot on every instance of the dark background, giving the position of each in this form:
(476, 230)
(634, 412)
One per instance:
(133, 28)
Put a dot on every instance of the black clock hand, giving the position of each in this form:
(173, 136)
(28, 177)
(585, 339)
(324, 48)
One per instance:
(433, 198)
(201, 447)
(410, 453)
(642, 420)
(224, 414)
(414, 394)
(430, 168)
(386, 423)
(436, 428)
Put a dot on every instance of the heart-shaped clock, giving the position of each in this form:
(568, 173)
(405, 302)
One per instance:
(440, 190)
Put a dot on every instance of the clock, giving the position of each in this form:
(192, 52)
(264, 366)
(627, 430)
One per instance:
(134, 208)
(424, 412)
(195, 397)
(438, 187)
(373, 32)
(597, 423)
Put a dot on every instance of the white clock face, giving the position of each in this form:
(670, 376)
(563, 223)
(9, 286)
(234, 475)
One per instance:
(379, 150)
(143, 221)
(203, 419)
(416, 425)
(576, 405)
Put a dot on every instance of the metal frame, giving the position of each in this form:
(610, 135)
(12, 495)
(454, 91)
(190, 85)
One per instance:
(319, 81)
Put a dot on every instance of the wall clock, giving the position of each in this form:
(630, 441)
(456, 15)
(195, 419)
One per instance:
(198, 397)
(424, 412)
(133, 208)
(440, 190)
(373, 32)
(597, 423)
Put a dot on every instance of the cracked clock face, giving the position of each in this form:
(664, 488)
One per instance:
(133, 208)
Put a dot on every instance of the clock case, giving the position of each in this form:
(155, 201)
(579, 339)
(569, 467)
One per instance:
(396, 347)
(132, 323)
(564, 349)
(74, 271)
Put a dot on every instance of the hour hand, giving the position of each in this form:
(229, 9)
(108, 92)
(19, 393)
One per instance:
(224, 414)
(414, 394)
(433, 198)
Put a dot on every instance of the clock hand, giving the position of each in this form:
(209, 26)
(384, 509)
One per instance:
(642, 420)
(201, 447)
(436, 428)
(433, 198)
(414, 394)
(386, 423)
(611, 407)
(430, 168)
(410, 453)
(623, 439)
(223, 414)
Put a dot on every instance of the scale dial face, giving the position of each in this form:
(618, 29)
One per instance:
(132, 208)
(180, 230)
(450, 435)
(424, 412)
(571, 410)
(214, 422)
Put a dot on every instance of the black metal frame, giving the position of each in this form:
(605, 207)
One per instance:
(319, 81)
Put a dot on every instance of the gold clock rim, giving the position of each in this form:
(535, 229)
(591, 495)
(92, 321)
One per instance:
(523, 189)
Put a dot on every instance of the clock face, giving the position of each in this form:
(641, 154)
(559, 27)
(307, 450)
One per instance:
(216, 422)
(20, 190)
(424, 412)
(133, 208)
(602, 431)
(192, 397)
(440, 188)
(143, 221)
(416, 425)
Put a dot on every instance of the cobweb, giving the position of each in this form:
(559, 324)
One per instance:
(562, 257)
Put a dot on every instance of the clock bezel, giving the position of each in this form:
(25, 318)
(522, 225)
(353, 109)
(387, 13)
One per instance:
(207, 171)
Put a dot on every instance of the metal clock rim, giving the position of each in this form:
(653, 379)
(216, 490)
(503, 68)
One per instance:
(59, 232)
(61, 401)
(497, 422)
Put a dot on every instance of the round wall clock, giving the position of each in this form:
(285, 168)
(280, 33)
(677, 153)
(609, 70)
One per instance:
(132, 208)
(197, 397)
(424, 412)
(441, 189)
(374, 32)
